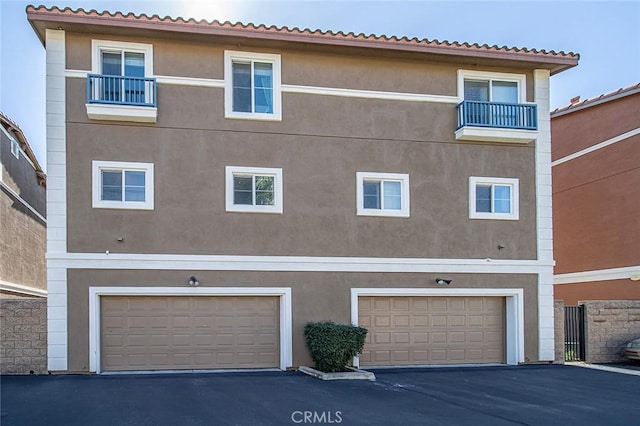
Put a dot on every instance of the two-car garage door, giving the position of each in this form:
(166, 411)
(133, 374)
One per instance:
(188, 332)
(432, 330)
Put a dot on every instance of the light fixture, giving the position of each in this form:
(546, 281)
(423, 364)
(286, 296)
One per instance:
(442, 281)
(193, 281)
(635, 277)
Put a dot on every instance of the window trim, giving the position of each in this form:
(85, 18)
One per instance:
(97, 46)
(403, 178)
(98, 203)
(514, 183)
(275, 59)
(520, 79)
(231, 171)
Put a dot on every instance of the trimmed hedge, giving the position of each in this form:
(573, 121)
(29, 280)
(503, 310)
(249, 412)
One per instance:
(333, 345)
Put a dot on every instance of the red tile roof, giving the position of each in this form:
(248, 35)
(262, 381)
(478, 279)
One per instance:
(616, 94)
(93, 17)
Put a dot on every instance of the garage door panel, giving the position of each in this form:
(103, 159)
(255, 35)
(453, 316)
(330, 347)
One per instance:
(434, 330)
(184, 332)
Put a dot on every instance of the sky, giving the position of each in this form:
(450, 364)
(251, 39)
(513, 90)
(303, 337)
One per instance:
(606, 34)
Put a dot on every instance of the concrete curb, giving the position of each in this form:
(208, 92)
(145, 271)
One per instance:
(605, 368)
(355, 374)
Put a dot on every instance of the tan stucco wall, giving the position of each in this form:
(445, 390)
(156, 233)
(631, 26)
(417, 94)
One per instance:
(315, 297)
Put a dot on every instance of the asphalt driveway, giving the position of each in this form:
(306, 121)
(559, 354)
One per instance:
(525, 395)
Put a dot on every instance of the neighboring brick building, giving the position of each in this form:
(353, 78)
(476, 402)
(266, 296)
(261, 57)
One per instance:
(23, 285)
(217, 186)
(596, 198)
(23, 226)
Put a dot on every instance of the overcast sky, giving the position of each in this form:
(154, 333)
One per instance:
(605, 34)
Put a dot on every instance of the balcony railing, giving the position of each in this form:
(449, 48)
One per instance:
(497, 115)
(121, 90)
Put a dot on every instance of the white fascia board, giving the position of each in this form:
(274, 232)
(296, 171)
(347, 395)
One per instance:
(598, 275)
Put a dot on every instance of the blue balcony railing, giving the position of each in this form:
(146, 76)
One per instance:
(121, 90)
(497, 115)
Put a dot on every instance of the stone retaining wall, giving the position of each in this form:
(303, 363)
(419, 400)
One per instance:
(609, 326)
(23, 336)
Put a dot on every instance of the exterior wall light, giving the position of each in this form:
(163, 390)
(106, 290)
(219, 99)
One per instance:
(442, 281)
(193, 281)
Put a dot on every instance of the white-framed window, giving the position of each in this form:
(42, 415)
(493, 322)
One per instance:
(486, 86)
(15, 148)
(252, 86)
(493, 198)
(254, 189)
(382, 194)
(122, 185)
(121, 58)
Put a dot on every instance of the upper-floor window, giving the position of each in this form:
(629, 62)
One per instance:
(122, 185)
(15, 148)
(121, 76)
(252, 85)
(254, 189)
(382, 194)
(491, 91)
(493, 198)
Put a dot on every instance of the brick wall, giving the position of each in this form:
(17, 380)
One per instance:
(558, 319)
(609, 326)
(23, 336)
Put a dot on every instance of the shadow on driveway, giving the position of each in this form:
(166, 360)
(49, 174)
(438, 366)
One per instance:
(524, 395)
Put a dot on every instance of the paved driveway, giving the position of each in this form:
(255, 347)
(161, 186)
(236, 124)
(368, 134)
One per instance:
(525, 395)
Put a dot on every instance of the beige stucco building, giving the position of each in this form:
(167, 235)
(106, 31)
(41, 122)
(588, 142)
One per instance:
(214, 187)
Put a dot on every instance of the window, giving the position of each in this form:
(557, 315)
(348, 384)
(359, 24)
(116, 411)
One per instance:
(15, 148)
(493, 198)
(382, 194)
(254, 189)
(118, 185)
(482, 86)
(120, 85)
(252, 85)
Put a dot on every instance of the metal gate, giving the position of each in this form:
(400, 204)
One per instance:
(574, 333)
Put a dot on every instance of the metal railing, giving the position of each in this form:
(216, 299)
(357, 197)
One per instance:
(574, 339)
(121, 90)
(498, 115)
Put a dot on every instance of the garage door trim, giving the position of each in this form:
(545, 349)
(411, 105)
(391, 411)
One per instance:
(284, 293)
(514, 315)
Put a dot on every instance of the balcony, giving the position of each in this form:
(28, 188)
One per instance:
(121, 98)
(497, 122)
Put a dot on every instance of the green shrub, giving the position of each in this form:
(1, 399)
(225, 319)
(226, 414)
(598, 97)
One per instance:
(333, 345)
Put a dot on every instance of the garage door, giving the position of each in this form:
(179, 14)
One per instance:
(185, 332)
(432, 330)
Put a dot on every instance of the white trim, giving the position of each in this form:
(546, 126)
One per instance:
(598, 275)
(274, 59)
(22, 201)
(403, 178)
(368, 94)
(490, 134)
(514, 315)
(96, 177)
(597, 146)
(520, 79)
(57, 344)
(302, 89)
(286, 327)
(190, 81)
(231, 171)
(22, 289)
(515, 197)
(544, 221)
(134, 113)
(293, 263)
(99, 45)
